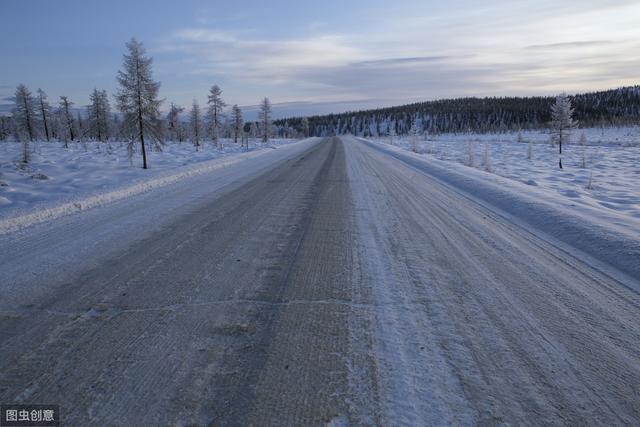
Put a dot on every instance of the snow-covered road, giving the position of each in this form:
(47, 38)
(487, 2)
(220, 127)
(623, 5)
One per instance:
(328, 283)
(473, 319)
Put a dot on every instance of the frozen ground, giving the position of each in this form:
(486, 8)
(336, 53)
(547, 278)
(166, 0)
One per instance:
(60, 180)
(609, 180)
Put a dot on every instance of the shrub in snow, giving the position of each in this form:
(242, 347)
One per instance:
(590, 183)
(471, 158)
(26, 152)
(392, 134)
(414, 137)
(583, 151)
(487, 158)
(529, 150)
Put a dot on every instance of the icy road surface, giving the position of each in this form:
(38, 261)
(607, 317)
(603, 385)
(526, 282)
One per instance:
(328, 284)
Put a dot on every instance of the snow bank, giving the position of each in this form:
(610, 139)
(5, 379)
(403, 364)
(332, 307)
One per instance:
(606, 237)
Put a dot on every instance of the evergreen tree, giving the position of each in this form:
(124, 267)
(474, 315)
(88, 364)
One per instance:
(137, 97)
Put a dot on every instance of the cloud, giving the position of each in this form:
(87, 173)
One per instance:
(261, 60)
(492, 49)
(569, 45)
(400, 61)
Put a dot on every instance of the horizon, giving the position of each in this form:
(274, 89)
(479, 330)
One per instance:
(309, 60)
(251, 111)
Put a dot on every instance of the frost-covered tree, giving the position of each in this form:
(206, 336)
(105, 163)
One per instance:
(562, 122)
(174, 127)
(265, 119)
(6, 127)
(305, 127)
(254, 132)
(24, 113)
(82, 129)
(137, 97)
(215, 115)
(67, 123)
(237, 122)
(392, 133)
(45, 113)
(583, 150)
(195, 125)
(99, 114)
(413, 137)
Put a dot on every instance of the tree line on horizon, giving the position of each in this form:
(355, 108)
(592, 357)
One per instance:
(614, 107)
(138, 120)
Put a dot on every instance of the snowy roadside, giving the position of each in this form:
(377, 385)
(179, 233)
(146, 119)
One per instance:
(607, 237)
(102, 182)
(604, 173)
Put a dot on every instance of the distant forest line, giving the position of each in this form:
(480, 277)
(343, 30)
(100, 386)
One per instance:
(614, 107)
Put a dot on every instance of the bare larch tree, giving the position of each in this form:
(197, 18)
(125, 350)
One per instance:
(24, 113)
(215, 115)
(237, 122)
(174, 127)
(67, 125)
(265, 119)
(195, 122)
(45, 112)
(137, 97)
(99, 112)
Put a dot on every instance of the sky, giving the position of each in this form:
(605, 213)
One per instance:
(313, 57)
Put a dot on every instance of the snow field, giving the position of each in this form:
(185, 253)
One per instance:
(60, 181)
(603, 174)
